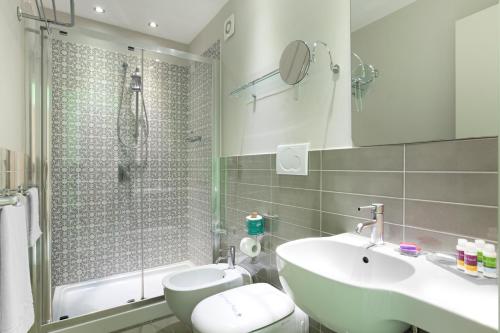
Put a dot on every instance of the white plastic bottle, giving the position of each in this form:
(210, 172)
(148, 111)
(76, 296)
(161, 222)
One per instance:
(460, 253)
(490, 261)
(470, 259)
(480, 248)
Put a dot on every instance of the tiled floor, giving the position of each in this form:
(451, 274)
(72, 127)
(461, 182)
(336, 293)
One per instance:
(166, 325)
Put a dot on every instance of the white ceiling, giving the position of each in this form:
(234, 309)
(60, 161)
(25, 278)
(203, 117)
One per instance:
(178, 20)
(364, 12)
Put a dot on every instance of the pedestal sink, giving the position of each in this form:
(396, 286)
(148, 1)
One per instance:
(349, 288)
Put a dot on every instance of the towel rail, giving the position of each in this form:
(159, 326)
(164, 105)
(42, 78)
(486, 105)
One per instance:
(13, 197)
(10, 200)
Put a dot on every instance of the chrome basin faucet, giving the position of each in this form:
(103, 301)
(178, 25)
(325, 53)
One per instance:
(377, 223)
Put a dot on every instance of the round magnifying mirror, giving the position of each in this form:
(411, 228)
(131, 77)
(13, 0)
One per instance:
(294, 62)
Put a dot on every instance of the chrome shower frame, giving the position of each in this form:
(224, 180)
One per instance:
(42, 16)
(39, 135)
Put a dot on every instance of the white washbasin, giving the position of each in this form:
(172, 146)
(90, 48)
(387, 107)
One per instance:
(349, 288)
(185, 289)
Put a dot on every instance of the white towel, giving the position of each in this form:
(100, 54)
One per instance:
(17, 313)
(34, 231)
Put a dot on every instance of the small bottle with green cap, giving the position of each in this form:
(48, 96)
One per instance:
(479, 246)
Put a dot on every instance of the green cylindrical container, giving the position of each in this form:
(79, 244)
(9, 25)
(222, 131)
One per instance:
(255, 224)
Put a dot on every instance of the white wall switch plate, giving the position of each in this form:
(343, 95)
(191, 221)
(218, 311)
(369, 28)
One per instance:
(229, 27)
(292, 159)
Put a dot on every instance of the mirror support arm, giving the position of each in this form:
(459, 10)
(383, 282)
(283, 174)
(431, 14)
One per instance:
(335, 68)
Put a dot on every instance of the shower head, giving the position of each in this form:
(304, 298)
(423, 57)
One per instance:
(136, 82)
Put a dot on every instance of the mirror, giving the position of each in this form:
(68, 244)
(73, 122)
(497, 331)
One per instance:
(424, 70)
(294, 62)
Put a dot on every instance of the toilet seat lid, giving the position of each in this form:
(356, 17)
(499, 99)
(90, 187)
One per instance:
(243, 309)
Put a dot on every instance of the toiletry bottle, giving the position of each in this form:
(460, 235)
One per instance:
(460, 253)
(489, 261)
(470, 259)
(480, 247)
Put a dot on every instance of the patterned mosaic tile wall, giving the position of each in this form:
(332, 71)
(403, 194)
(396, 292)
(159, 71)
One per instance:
(96, 219)
(199, 159)
(433, 193)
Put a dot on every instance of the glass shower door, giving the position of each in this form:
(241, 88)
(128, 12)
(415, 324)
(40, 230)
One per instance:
(131, 136)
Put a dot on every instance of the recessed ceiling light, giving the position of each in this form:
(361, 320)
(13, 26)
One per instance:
(153, 24)
(99, 9)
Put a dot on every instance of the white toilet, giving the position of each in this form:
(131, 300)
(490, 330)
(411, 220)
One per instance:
(184, 289)
(252, 308)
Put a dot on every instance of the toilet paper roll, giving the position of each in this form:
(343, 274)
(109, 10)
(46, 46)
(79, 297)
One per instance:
(250, 246)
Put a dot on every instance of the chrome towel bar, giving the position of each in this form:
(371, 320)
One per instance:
(10, 200)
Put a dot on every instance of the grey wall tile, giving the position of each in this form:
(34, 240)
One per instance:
(311, 181)
(356, 177)
(259, 192)
(251, 205)
(260, 177)
(375, 183)
(314, 159)
(303, 217)
(296, 197)
(347, 204)
(289, 231)
(254, 162)
(229, 162)
(480, 189)
(459, 155)
(275, 242)
(388, 158)
(477, 222)
(430, 240)
(337, 224)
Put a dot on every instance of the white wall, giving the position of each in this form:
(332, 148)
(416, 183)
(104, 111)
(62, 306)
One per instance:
(477, 80)
(321, 116)
(12, 109)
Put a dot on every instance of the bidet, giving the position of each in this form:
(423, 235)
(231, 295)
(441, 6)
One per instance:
(183, 290)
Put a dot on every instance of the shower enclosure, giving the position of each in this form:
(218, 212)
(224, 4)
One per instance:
(130, 159)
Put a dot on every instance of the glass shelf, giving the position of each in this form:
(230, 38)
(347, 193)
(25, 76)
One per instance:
(267, 85)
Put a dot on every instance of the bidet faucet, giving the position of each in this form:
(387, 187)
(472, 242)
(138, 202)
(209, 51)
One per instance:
(231, 257)
(377, 223)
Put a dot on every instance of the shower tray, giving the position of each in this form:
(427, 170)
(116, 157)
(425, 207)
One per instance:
(73, 300)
